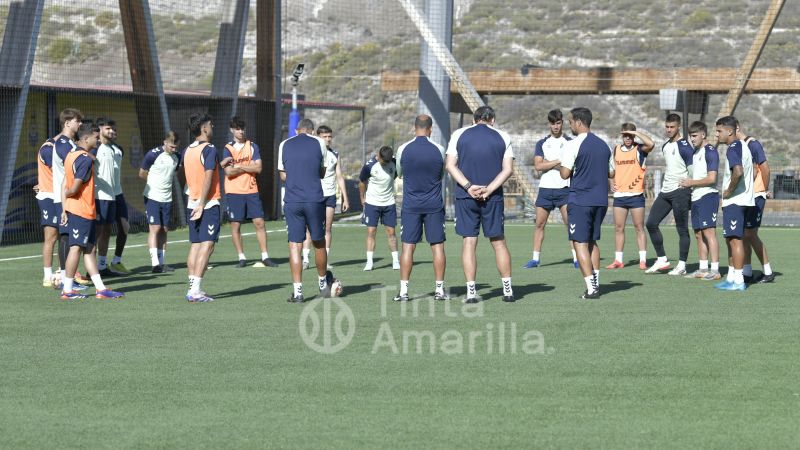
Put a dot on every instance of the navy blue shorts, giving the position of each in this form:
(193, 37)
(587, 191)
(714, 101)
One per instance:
(733, 221)
(206, 228)
(471, 214)
(551, 198)
(411, 225)
(753, 214)
(81, 231)
(387, 215)
(243, 206)
(585, 222)
(62, 229)
(50, 212)
(629, 202)
(305, 216)
(330, 201)
(158, 213)
(704, 211)
(121, 207)
(106, 211)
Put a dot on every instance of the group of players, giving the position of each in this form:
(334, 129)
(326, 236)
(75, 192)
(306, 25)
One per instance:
(79, 183)
(690, 184)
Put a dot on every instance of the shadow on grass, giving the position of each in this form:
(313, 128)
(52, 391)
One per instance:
(520, 291)
(149, 286)
(556, 263)
(259, 289)
(617, 285)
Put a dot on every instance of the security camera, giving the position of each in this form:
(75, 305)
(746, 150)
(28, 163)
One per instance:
(297, 73)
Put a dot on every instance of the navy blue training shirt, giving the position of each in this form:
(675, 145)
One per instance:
(420, 162)
(480, 150)
(588, 156)
(301, 158)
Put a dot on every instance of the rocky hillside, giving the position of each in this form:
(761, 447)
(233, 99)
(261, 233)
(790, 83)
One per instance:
(347, 43)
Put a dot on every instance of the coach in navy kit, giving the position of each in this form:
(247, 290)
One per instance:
(301, 166)
(586, 161)
(480, 159)
(420, 163)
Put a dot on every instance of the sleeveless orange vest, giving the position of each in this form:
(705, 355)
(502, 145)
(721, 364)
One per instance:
(82, 203)
(45, 173)
(629, 174)
(196, 173)
(244, 183)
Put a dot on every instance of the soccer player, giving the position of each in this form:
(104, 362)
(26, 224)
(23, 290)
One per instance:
(628, 168)
(158, 170)
(586, 161)
(705, 201)
(333, 178)
(70, 120)
(301, 164)
(677, 154)
(737, 196)
(200, 163)
(50, 215)
(376, 188)
(78, 215)
(553, 190)
(105, 179)
(121, 206)
(753, 220)
(420, 163)
(241, 161)
(480, 159)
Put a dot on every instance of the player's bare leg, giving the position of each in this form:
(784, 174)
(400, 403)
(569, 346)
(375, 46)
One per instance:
(370, 244)
(620, 217)
(538, 236)
(753, 243)
(470, 265)
(50, 238)
(306, 250)
(392, 238)
(502, 259)
(439, 266)
(637, 215)
(565, 219)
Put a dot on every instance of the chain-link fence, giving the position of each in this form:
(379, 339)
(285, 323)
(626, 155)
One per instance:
(523, 58)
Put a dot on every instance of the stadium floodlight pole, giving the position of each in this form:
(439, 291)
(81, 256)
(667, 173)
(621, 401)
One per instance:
(445, 57)
(459, 79)
(294, 114)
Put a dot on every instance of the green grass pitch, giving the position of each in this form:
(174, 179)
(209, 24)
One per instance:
(658, 361)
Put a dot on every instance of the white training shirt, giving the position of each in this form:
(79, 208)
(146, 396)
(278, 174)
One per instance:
(329, 180)
(551, 148)
(104, 172)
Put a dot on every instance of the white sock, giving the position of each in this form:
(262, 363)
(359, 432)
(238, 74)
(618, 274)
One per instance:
(98, 282)
(738, 277)
(48, 273)
(730, 276)
(470, 289)
(747, 270)
(102, 262)
(195, 289)
(327, 250)
(703, 264)
(767, 269)
(440, 287)
(305, 254)
(161, 254)
(298, 289)
(369, 257)
(507, 286)
(642, 255)
(403, 287)
(574, 255)
(242, 257)
(154, 257)
(715, 266)
(661, 259)
(116, 260)
(264, 255)
(191, 283)
(323, 282)
(589, 283)
(681, 265)
(536, 255)
(618, 256)
(596, 276)
(67, 284)
(395, 257)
